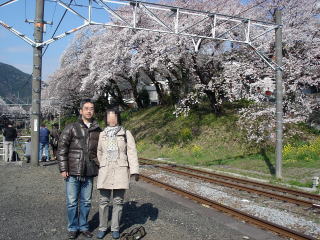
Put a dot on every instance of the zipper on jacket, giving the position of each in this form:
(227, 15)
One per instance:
(86, 149)
(82, 130)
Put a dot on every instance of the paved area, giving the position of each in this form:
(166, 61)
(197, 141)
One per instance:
(32, 204)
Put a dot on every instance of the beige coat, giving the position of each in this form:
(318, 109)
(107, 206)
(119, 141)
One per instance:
(116, 174)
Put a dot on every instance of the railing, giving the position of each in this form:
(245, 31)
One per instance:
(18, 146)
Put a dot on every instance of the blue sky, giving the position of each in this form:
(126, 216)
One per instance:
(16, 52)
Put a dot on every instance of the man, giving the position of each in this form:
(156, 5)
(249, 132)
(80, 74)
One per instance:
(55, 134)
(44, 134)
(77, 157)
(10, 135)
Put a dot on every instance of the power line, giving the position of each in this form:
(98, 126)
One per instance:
(77, 5)
(7, 3)
(53, 15)
(25, 9)
(65, 12)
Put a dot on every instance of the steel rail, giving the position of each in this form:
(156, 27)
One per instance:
(245, 181)
(240, 187)
(234, 212)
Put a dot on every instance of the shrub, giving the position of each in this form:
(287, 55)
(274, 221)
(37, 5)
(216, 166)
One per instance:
(196, 151)
(304, 153)
(185, 135)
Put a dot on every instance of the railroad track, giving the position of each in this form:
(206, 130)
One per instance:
(231, 211)
(233, 182)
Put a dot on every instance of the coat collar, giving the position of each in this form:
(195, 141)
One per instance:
(94, 124)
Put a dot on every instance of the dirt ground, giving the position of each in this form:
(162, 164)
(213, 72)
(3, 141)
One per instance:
(32, 203)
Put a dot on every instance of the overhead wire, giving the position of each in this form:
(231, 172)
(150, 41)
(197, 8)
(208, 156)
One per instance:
(25, 9)
(77, 5)
(64, 14)
(53, 15)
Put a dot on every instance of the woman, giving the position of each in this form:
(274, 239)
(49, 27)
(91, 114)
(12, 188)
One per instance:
(117, 156)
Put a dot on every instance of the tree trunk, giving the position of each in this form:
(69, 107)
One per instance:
(157, 86)
(210, 94)
(216, 108)
(134, 85)
(118, 95)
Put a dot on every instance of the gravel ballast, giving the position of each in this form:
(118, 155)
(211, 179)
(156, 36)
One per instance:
(234, 198)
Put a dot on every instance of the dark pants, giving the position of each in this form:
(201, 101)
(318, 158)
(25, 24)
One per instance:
(54, 151)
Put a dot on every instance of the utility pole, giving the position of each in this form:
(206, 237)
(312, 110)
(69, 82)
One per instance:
(279, 97)
(60, 116)
(36, 81)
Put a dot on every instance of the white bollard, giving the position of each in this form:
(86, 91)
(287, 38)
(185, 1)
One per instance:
(315, 182)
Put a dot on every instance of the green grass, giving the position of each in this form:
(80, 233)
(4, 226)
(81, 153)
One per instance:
(199, 139)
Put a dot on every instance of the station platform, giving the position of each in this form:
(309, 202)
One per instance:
(32, 203)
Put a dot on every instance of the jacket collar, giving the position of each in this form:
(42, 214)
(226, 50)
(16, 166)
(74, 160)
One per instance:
(94, 124)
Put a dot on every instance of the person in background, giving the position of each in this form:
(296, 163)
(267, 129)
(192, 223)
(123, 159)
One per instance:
(10, 135)
(55, 134)
(118, 160)
(44, 134)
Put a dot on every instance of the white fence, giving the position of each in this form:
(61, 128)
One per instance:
(18, 146)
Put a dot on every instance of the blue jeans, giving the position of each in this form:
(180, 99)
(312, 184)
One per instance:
(44, 146)
(78, 193)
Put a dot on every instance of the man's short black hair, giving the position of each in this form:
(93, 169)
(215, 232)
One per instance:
(84, 101)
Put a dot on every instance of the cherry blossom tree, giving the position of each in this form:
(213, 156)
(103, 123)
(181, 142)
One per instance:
(110, 60)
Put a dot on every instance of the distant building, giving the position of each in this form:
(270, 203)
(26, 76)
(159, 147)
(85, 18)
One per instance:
(153, 95)
(128, 97)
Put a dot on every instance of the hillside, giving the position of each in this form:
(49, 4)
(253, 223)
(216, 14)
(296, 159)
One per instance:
(203, 139)
(14, 83)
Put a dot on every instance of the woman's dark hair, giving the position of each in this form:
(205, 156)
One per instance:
(116, 111)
